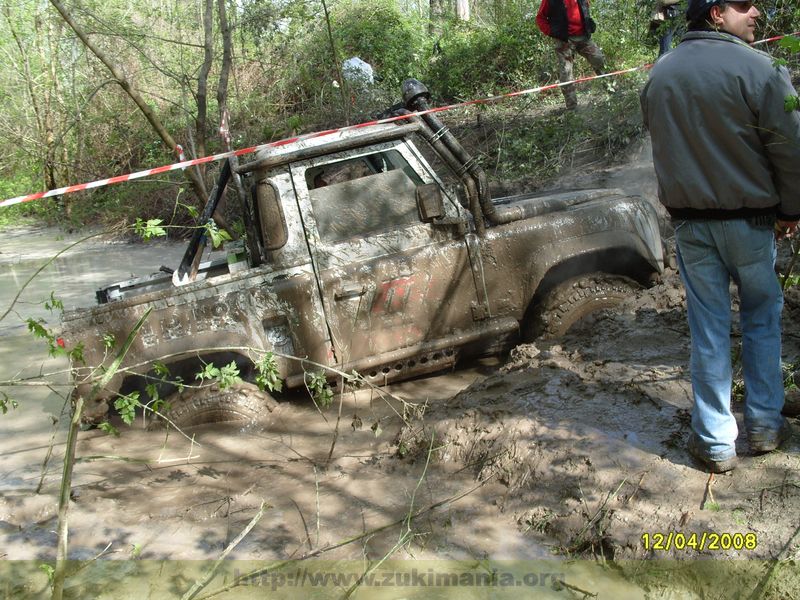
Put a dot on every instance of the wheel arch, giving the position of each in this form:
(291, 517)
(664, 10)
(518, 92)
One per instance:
(619, 261)
(623, 261)
(186, 367)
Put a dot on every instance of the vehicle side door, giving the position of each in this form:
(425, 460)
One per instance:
(388, 279)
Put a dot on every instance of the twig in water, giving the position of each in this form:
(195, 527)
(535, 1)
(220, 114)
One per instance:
(708, 497)
(575, 588)
(305, 526)
(199, 585)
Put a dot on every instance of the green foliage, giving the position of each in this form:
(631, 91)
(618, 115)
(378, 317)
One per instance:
(268, 376)
(47, 570)
(218, 236)
(53, 303)
(225, 376)
(6, 401)
(475, 61)
(320, 391)
(161, 369)
(108, 428)
(541, 148)
(109, 341)
(378, 32)
(56, 346)
(127, 405)
(149, 229)
(791, 43)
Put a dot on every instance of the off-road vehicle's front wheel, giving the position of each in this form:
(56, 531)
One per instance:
(572, 300)
(240, 403)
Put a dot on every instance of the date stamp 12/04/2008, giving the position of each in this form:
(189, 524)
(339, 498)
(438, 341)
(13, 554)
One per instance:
(707, 540)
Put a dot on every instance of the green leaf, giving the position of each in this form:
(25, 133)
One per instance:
(5, 401)
(152, 391)
(126, 405)
(790, 42)
(268, 376)
(217, 235)
(76, 354)
(109, 340)
(37, 329)
(47, 570)
(149, 229)
(229, 375)
(53, 303)
(321, 392)
(108, 428)
(226, 376)
(209, 372)
(160, 369)
(791, 103)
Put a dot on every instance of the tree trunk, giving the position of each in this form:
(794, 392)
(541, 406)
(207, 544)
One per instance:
(462, 9)
(435, 19)
(120, 78)
(202, 78)
(227, 60)
(337, 64)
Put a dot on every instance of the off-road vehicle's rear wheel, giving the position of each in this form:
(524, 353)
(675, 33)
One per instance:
(572, 300)
(240, 403)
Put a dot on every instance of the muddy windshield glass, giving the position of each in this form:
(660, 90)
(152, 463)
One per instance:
(363, 195)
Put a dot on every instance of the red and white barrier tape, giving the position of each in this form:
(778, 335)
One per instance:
(215, 157)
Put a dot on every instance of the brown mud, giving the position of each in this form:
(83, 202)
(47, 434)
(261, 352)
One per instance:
(569, 450)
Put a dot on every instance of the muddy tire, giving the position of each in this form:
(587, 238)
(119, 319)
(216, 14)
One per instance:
(240, 403)
(570, 301)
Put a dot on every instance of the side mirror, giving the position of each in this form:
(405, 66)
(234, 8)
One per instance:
(269, 216)
(429, 202)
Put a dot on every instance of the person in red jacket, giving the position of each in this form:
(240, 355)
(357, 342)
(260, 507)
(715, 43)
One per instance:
(569, 24)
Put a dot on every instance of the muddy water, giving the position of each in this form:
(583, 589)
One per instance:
(78, 269)
(322, 477)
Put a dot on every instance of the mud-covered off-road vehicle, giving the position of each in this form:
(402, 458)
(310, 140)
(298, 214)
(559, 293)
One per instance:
(376, 249)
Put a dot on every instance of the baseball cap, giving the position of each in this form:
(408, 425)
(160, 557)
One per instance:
(698, 9)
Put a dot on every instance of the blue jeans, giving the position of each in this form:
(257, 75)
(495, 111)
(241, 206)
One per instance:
(710, 254)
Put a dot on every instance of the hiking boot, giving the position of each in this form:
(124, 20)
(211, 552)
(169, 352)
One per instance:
(700, 454)
(768, 440)
(791, 403)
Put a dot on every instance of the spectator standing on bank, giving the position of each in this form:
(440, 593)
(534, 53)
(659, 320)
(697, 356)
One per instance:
(569, 24)
(663, 22)
(726, 157)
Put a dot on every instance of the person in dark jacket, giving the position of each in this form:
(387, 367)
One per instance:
(569, 24)
(664, 22)
(725, 152)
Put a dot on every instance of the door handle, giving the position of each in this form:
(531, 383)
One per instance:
(352, 290)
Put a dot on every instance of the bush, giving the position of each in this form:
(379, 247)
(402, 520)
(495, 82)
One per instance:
(392, 42)
(478, 61)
